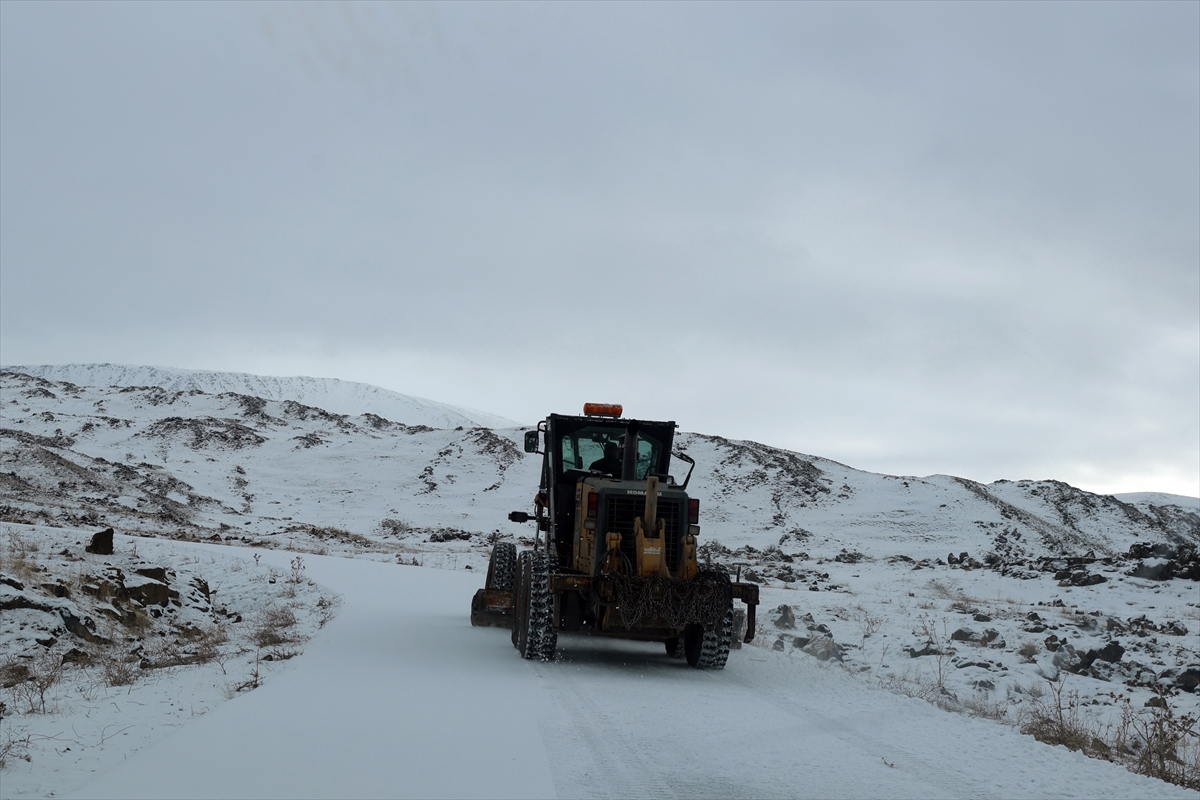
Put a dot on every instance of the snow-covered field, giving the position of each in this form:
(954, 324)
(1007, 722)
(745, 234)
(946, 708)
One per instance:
(980, 598)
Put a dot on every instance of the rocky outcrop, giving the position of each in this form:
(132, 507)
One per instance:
(1162, 562)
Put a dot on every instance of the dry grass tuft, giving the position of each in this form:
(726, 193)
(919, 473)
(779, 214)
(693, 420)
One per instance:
(30, 681)
(980, 705)
(1028, 651)
(922, 688)
(272, 627)
(116, 668)
(17, 555)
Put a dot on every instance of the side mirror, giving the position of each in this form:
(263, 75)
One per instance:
(519, 516)
(531, 441)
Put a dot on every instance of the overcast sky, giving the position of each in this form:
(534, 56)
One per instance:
(926, 238)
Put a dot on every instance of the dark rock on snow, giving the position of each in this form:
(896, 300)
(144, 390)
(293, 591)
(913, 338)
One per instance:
(786, 618)
(102, 543)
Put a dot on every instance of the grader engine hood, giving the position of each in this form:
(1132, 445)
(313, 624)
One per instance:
(645, 528)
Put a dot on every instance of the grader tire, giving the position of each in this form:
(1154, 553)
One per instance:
(502, 568)
(533, 627)
(714, 647)
(541, 608)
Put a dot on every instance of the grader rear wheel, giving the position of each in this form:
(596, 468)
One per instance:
(502, 567)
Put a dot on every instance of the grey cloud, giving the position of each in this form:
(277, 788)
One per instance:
(922, 237)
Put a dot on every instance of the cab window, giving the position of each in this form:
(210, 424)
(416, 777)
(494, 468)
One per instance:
(586, 446)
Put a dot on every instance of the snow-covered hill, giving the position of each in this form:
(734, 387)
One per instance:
(145, 457)
(331, 394)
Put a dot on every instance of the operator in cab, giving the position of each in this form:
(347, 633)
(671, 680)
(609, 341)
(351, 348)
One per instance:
(610, 464)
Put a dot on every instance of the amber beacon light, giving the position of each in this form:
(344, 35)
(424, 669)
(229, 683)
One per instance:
(602, 409)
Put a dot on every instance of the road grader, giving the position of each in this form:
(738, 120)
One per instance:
(614, 549)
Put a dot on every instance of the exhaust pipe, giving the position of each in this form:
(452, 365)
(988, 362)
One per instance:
(629, 459)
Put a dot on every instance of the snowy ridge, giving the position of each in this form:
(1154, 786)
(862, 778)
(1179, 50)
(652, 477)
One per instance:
(141, 456)
(331, 394)
(1159, 499)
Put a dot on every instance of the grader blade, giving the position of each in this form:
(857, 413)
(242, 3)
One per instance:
(492, 608)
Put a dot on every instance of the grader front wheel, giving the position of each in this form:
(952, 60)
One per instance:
(714, 647)
(533, 629)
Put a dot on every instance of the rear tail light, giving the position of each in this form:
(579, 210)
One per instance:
(694, 511)
(593, 504)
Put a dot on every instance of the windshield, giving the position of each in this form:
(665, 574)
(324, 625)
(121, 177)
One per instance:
(597, 448)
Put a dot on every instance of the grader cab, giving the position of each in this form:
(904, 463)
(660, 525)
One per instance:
(615, 547)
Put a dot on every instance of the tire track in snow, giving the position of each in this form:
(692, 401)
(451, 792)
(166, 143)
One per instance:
(620, 719)
(862, 730)
(626, 721)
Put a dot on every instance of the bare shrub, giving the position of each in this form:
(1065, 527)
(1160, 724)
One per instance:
(868, 623)
(13, 744)
(293, 581)
(271, 628)
(1156, 743)
(396, 527)
(253, 682)
(340, 535)
(927, 628)
(194, 646)
(17, 556)
(922, 688)
(1166, 746)
(137, 621)
(32, 680)
(116, 668)
(1052, 722)
(208, 646)
(1028, 650)
(980, 705)
(326, 610)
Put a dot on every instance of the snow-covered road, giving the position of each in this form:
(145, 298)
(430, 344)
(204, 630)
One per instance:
(400, 697)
